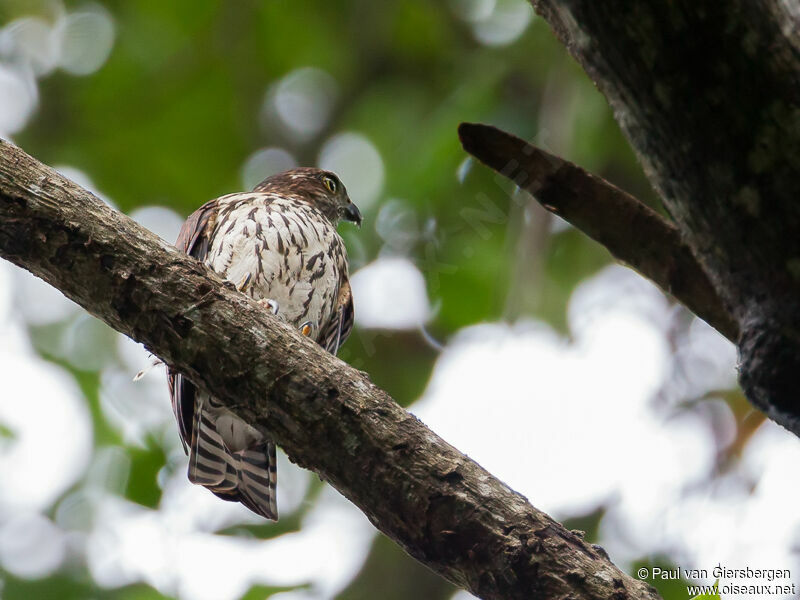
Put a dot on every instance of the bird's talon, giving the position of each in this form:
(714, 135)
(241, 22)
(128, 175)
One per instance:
(271, 305)
(305, 328)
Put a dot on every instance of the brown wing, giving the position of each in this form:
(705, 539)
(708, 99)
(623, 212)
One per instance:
(334, 334)
(193, 240)
(194, 236)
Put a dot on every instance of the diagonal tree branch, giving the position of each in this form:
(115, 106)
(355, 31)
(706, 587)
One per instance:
(441, 507)
(633, 232)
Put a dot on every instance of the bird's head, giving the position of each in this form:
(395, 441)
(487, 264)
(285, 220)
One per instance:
(318, 187)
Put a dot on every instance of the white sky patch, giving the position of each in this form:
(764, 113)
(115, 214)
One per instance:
(357, 162)
(31, 40)
(707, 361)
(525, 386)
(135, 408)
(51, 432)
(31, 545)
(164, 222)
(264, 163)
(396, 224)
(88, 343)
(78, 42)
(134, 356)
(132, 544)
(38, 302)
(473, 10)
(47, 448)
(86, 38)
(494, 22)
(301, 101)
(6, 291)
(741, 529)
(389, 293)
(18, 98)
(574, 425)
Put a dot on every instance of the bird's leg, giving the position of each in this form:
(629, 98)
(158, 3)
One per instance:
(269, 304)
(306, 329)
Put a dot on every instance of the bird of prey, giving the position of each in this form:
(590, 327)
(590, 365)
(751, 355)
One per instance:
(278, 244)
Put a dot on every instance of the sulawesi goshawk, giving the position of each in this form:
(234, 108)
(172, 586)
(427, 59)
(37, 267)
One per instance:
(278, 244)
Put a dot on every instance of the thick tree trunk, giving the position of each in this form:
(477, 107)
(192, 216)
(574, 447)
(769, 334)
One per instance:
(708, 93)
(441, 507)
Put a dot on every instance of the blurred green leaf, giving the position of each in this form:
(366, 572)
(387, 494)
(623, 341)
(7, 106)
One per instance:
(259, 592)
(391, 574)
(668, 589)
(710, 595)
(63, 587)
(589, 524)
(6, 432)
(397, 361)
(142, 484)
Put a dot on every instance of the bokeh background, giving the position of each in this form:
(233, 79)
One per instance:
(507, 331)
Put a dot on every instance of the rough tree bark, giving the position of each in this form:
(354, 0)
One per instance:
(708, 93)
(441, 507)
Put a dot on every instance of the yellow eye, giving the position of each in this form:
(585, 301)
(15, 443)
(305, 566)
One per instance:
(330, 183)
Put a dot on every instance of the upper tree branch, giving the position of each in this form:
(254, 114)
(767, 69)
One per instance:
(634, 233)
(708, 93)
(441, 507)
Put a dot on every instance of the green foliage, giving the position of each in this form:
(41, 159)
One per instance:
(669, 589)
(396, 575)
(142, 486)
(710, 595)
(260, 592)
(66, 587)
(6, 432)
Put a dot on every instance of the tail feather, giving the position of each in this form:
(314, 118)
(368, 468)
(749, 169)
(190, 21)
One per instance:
(248, 476)
(208, 462)
(257, 479)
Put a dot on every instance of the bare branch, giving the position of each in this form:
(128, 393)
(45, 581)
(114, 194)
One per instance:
(633, 233)
(441, 507)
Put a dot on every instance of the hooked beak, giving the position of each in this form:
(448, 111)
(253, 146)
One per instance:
(352, 214)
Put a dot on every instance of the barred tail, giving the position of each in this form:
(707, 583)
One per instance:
(248, 476)
(257, 470)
